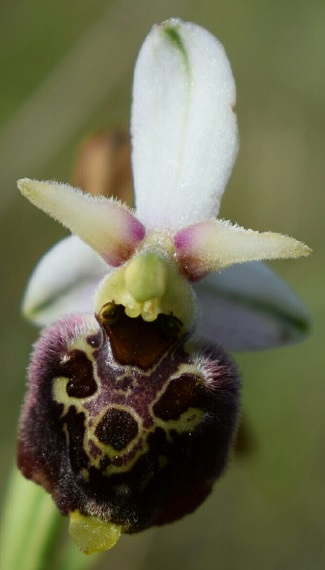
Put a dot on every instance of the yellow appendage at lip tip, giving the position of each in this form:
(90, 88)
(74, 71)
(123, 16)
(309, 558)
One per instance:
(91, 534)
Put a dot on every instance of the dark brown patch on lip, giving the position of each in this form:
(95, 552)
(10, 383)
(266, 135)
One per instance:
(95, 340)
(79, 370)
(76, 427)
(117, 428)
(179, 395)
(136, 342)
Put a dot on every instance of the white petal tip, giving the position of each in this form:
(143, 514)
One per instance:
(25, 186)
(303, 250)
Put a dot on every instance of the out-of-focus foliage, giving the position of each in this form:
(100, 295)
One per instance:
(66, 72)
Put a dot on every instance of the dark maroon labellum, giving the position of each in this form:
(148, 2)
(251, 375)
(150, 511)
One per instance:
(125, 421)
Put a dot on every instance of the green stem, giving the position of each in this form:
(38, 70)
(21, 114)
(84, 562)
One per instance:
(30, 526)
(31, 529)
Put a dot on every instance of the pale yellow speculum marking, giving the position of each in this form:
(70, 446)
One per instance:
(187, 368)
(61, 396)
(188, 419)
(81, 343)
(108, 450)
(59, 390)
(186, 422)
(85, 474)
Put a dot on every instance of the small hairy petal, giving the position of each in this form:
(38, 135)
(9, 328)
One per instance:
(248, 307)
(183, 126)
(63, 282)
(214, 245)
(106, 225)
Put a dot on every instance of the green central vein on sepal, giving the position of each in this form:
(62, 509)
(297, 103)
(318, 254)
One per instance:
(33, 311)
(172, 33)
(264, 308)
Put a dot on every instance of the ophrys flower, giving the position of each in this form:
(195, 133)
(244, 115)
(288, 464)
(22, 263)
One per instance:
(128, 423)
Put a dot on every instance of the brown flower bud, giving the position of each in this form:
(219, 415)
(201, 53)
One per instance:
(103, 165)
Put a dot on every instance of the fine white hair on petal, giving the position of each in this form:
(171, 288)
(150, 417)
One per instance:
(105, 224)
(184, 129)
(63, 282)
(216, 244)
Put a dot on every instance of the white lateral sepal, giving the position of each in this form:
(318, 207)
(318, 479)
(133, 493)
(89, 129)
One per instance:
(248, 307)
(63, 282)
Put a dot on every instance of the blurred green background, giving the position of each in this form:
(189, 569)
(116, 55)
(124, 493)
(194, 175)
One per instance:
(66, 70)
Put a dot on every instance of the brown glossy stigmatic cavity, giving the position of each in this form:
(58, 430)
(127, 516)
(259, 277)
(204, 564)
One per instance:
(135, 341)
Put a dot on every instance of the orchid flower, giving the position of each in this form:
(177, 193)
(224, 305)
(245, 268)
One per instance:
(127, 396)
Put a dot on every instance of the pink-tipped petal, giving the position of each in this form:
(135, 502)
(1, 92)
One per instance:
(106, 225)
(214, 245)
(248, 307)
(183, 126)
(63, 282)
